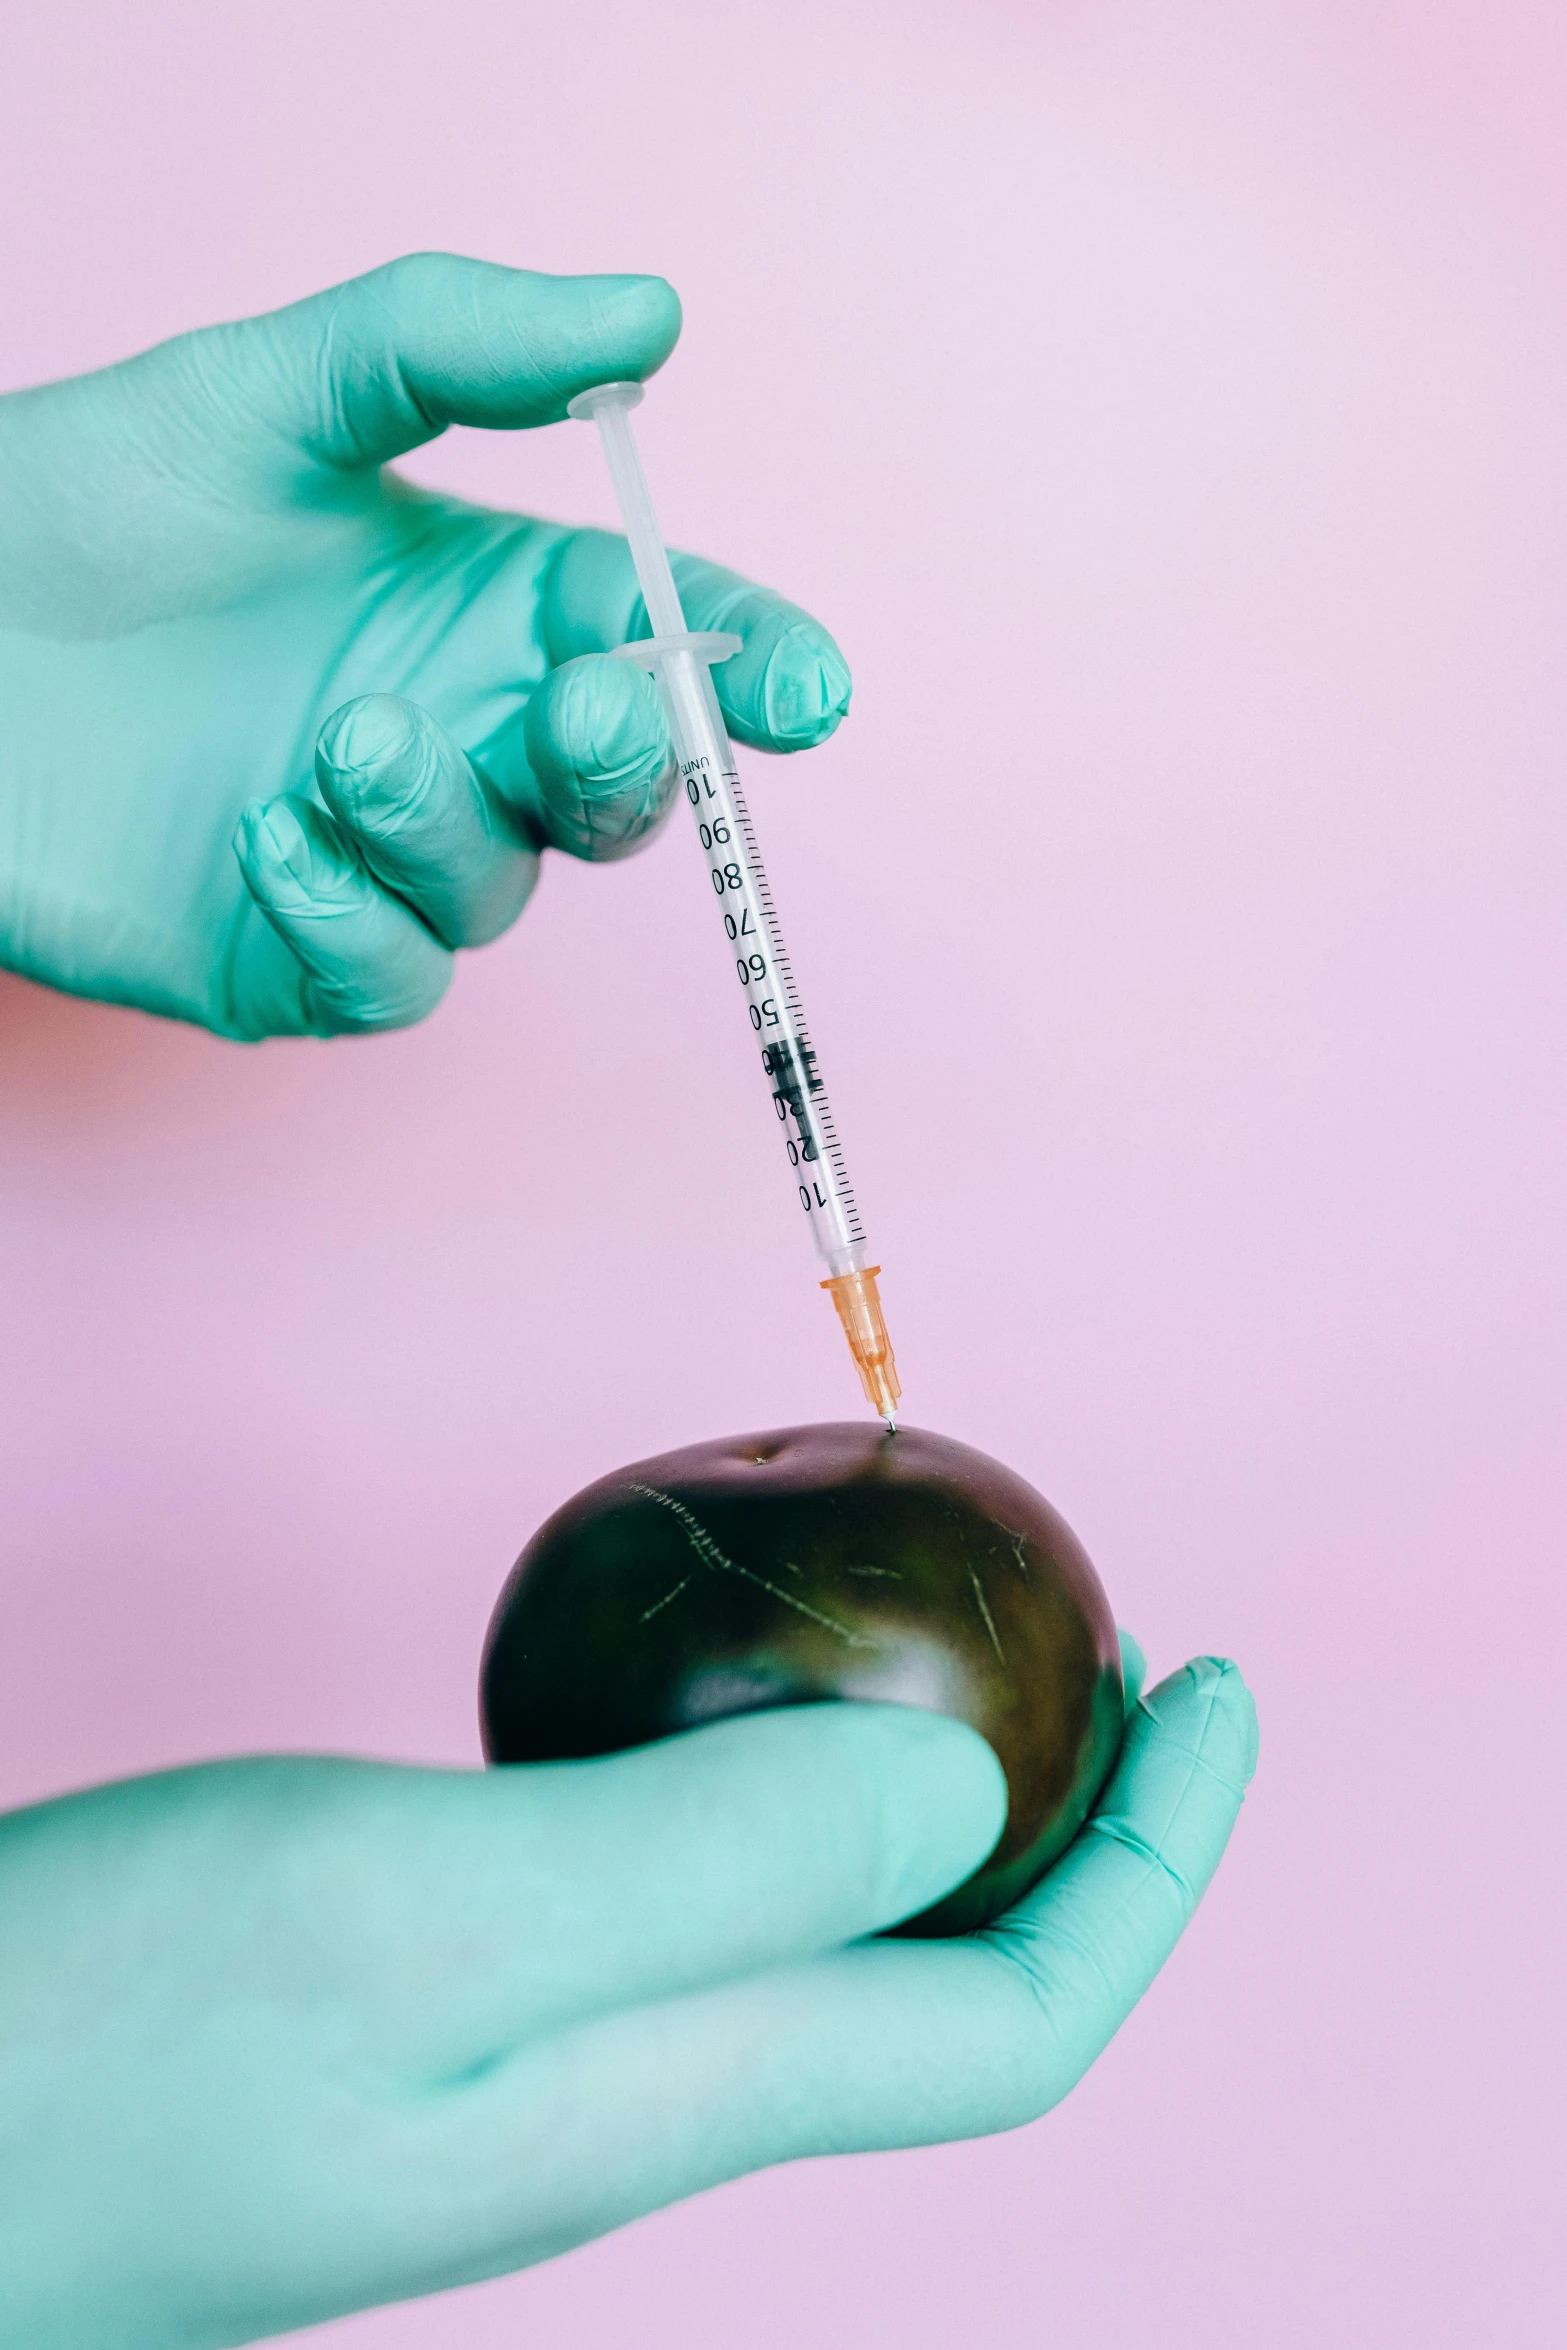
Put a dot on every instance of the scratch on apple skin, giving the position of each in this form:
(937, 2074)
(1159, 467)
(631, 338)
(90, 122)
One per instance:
(990, 1621)
(648, 1613)
(708, 1552)
(888, 1574)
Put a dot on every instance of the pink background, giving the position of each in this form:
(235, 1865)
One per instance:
(1167, 409)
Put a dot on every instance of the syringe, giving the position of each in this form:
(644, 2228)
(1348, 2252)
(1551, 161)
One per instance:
(679, 662)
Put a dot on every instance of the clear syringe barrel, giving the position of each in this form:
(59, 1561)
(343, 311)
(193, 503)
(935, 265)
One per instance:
(716, 799)
(679, 661)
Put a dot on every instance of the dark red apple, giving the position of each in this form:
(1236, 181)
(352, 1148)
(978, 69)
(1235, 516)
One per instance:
(812, 1563)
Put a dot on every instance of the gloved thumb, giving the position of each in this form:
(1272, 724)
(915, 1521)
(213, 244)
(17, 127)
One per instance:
(746, 1844)
(356, 375)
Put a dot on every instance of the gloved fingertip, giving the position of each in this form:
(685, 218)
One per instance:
(598, 758)
(382, 763)
(943, 1800)
(1235, 1702)
(368, 731)
(246, 826)
(291, 854)
(1134, 1666)
(271, 841)
(641, 306)
(1208, 1703)
(607, 725)
(806, 690)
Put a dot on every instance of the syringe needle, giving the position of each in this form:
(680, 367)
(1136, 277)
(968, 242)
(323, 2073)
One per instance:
(680, 663)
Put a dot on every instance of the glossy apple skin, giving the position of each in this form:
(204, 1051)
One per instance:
(814, 1563)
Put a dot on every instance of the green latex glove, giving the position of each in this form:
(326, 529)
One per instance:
(285, 2038)
(217, 610)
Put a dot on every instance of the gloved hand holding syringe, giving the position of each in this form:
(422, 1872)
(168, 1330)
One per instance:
(679, 662)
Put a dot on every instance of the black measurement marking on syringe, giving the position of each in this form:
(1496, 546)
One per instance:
(792, 1066)
(835, 1160)
(786, 1062)
(790, 1097)
(795, 1064)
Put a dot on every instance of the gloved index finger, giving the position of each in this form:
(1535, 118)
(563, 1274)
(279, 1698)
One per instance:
(785, 690)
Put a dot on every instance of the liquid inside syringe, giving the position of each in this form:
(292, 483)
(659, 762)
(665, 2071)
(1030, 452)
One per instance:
(680, 663)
